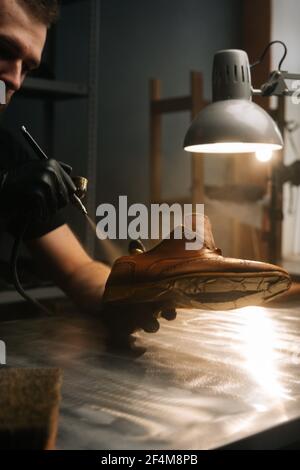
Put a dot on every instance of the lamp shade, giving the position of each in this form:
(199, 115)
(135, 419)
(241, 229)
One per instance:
(232, 126)
(232, 123)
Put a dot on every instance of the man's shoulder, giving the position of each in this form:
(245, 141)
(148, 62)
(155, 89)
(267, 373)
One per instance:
(12, 152)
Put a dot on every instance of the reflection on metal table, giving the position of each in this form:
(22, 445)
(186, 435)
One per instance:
(207, 379)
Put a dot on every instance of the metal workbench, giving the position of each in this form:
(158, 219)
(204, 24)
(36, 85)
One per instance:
(207, 380)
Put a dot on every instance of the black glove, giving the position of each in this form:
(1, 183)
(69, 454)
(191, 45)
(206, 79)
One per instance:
(123, 320)
(37, 189)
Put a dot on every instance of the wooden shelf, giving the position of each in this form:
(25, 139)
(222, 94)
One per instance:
(53, 89)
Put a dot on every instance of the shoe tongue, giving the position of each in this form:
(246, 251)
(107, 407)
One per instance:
(182, 235)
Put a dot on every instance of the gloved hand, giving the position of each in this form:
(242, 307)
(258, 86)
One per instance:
(37, 188)
(123, 320)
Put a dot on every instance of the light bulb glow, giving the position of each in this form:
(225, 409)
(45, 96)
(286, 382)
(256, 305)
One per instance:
(233, 147)
(264, 155)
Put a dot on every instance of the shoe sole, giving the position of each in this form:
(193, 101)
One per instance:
(214, 291)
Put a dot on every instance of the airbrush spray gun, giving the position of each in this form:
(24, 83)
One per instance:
(79, 181)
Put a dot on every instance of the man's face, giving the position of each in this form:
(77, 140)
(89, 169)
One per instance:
(22, 39)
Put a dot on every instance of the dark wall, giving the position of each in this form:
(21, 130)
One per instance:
(140, 39)
(164, 39)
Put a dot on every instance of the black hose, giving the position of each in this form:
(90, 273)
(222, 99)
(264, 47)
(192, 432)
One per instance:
(266, 50)
(15, 275)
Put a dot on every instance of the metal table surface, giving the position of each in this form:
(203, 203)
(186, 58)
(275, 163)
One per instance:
(207, 379)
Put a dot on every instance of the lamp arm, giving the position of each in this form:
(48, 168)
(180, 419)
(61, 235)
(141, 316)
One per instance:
(256, 91)
(276, 85)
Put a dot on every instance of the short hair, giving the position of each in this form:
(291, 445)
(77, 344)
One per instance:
(46, 11)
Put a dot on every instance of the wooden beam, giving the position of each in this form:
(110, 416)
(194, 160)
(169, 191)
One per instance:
(155, 143)
(256, 36)
(171, 105)
(197, 169)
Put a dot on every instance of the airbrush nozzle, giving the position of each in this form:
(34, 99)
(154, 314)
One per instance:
(33, 144)
(77, 202)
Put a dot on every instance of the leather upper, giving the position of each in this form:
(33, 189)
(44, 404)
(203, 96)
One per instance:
(170, 258)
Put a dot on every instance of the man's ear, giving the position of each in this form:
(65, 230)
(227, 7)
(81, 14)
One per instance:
(2, 92)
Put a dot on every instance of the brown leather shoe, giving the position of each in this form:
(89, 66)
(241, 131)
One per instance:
(169, 273)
